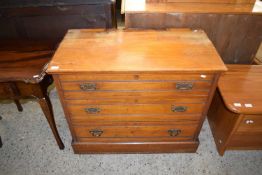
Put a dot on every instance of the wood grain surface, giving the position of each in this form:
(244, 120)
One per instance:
(244, 88)
(137, 90)
(109, 51)
(233, 28)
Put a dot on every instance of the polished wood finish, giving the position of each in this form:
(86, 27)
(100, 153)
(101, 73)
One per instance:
(142, 95)
(245, 87)
(125, 53)
(22, 75)
(207, 1)
(233, 28)
(234, 126)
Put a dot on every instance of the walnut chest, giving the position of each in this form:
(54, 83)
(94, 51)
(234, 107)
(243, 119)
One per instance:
(235, 115)
(135, 91)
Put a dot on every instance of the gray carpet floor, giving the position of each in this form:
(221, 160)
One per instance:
(30, 149)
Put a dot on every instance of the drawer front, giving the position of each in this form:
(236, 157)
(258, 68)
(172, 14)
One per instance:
(251, 123)
(71, 95)
(134, 100)
(246, 140)
(140, 109)
(84, 120)
(169, 131)
(136, 86)
(137, 77)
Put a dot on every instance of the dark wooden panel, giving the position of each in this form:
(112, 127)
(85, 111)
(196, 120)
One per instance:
(52, 22)
(16, 56)
(37, 3)
(236, 37)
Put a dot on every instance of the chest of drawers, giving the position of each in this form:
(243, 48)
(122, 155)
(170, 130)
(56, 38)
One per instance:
(235, 114)
(135, 91)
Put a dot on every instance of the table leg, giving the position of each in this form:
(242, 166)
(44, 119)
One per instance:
(1, 144)
(46, 106)
(18, 105)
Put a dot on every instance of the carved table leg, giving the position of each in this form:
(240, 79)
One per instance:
(18, 105)
(1, 144)
(46, 106)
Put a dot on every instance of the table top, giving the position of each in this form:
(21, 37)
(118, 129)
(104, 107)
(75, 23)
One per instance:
(24, 60)
(136, 50)
(241, 88)
(141, 6)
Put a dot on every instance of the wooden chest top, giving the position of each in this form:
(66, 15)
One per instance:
(191, 6)
(241, 88)
(139, 50)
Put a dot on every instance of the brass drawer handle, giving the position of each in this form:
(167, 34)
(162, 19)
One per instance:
(96, 132)
(92, 110)
(174, 132)
(249, 122)
(179, 108)
(184, 86)
(88, 86)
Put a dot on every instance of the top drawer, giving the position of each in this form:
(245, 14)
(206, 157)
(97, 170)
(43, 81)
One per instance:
(137, 77)
(251, 123)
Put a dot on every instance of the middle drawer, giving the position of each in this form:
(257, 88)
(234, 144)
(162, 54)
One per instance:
(136, 109)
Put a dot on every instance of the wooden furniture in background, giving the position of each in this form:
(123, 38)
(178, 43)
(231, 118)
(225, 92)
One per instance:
(258, 57)
(234, 29)
(22, 75)
(46, 19)
(207, 1)
(135, 91)
(1, 143)
(235, 115)
(41, 20)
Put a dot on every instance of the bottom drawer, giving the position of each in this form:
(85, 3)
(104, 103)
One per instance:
(132, 131)
(246, 141)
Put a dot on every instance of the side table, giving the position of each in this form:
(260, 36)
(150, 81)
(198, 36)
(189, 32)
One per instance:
(235, 114)
(22, 75)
